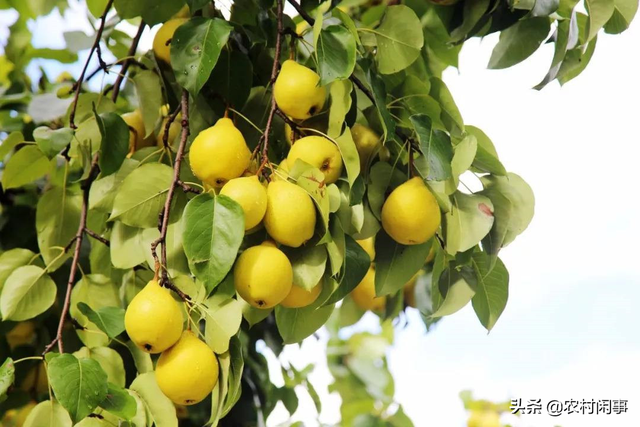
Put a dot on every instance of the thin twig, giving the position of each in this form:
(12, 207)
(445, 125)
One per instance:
(274, 75)
(187, 188)
(302, 12)
(170, 120)
(166, 212)
(95, 47)
(127, 62)
(82, 227)
(96, 236)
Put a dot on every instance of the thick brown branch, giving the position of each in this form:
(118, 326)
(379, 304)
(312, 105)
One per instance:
(82, 227)
(96, 46)
(166, 212)
(274, 75)
(127, 62)
(96, 236)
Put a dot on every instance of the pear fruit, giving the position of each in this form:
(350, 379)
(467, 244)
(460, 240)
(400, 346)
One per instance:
(282, 171)
(219, 154)
(162, 39)
(175, 129)
(297, 92)
(153, 319)
(251, 195)
(367, 143)
(187, 372)
(369, 247)
(263, 275)
(299, 297)
(411, 214)
(319, 152)
(291, 216)
(364, 295)
(137, 131)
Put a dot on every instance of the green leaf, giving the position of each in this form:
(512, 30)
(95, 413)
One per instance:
(27, 292)
(213, 232)
(48, 414)
(435, 145)
(119, 402)
(312, 181)
(96, 7)
(625, 11)
(142, 195)
(115, 142)
(195, 48)
(356, 265)
(154, 11)
(97, 291)
(599, 13)
(463, 155)
(575, 62)
(10, 142)
(350, 156)
(414, 93)
(25, 166)
(128, 9)
(296, 324)
(12, 259)
(399, 39)
(396, 263)
(514, 203)
(222, 321)
(231, 74)
(340, 93)
(519, 41)
(468, 222)
(149, 91)
(252, 314)
(80, 385)
(103, 191)
(110, 320)
(380, 96)
(458, 292)
(7, 377)
(110, 361)
(141, 359)
(309, 264)
(57, 219)
(492, 291)
(51, 142)
(473, 12)
(450, 115)
(126, 246)
(161, 410)
(336, 53)
(566, 38)
(486, 159)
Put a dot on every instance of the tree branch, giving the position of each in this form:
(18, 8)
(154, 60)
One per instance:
(96, 236)
(302, 12)
(274, 75)
(166, 212)
(96, 46)
(170, 120)
(127, 62)
(82, 228)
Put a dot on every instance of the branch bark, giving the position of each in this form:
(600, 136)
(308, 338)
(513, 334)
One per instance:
(166, 212)
(127, 62)
(94, 47)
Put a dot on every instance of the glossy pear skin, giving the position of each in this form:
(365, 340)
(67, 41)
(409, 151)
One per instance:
(299, 297)
(251, 195)
(153, 319)
(263, 276)
(369, 247)
(219, 154)
(411, 214)
(187, 372)
(364, 295)
(296, 91)
(291, 215)
(137, 131)
(161, 41)
(367, 143)
(319, 152)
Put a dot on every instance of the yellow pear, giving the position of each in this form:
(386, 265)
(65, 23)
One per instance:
(411, 214)
(297, 92)
(219, 154)
(364, 295)
(291, 216)
(369, 247)
(187, 372)
(153, 319)
(175, 129)
(162, 39)
(17, 417)
(137, 131)
(282, 171)
(367, 143)
(299, 297)
(251, 195)
(263, 276)
(21, 334)
(409, 290)
(320, 153)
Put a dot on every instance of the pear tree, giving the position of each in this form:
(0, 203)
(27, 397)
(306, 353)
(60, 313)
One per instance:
(267, 172)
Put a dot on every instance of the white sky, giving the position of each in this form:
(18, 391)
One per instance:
(570, 328)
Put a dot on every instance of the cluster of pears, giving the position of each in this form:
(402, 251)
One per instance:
(187, 369)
